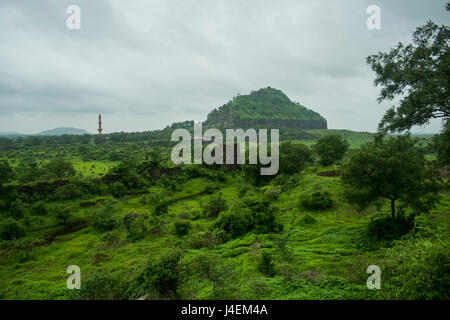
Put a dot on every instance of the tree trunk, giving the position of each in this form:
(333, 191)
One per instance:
(393, 208)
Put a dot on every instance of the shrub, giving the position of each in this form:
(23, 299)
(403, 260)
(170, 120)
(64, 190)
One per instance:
(159, 277)
(284, 181)
(307, 219)
(319, 200)
(68, 191)
(136, 225)
(384, 228)
(17, 209)
(105, 219)
(182, 228)
(11, 229)
(129, 219)
(266, 265)
(331, 148)
(251, 213)
(162, 207)
(61, 214)
(293, 157)
(242, 190)
(117, 189)
(207, 239)
(418, 270)
(271, 192)
(102, 286)
(215, 206)
(38, 208)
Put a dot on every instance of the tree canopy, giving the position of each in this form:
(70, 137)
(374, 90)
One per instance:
(330, 148)
(418, 75)
(391, 169)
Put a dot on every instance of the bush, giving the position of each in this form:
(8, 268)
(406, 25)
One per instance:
(117, 189)
(102, 286)
(417, 270)
(215, 206)
(331, 148)
(182, 228)
(271, 192)
(61, 215)
(284, 181)
(136, 225)
(159, 277)
(251, 213)
(162, 207)
(68, 191)
(38, 208)
(207, 239)
(105, 219)
(384, 228)
(319, 200)
(11, 229)
(266, 265)
(17, 209)
(293, 157)
(307, 219)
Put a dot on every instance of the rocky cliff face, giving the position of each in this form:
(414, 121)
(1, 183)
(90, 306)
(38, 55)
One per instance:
(268, 108)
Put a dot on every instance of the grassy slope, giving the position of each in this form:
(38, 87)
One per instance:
(324, 261)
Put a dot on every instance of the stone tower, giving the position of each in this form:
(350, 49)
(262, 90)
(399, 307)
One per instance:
(100, 124)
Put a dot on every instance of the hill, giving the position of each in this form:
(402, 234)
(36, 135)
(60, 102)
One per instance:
(267, 107)
(63, 130)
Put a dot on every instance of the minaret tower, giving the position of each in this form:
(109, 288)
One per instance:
(100, 124)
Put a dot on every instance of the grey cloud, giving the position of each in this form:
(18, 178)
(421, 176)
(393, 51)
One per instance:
(162, 61)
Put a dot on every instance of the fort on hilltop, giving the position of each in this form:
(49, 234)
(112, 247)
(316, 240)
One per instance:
(267, 107)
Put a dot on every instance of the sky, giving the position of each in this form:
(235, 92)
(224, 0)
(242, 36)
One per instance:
(144, 64)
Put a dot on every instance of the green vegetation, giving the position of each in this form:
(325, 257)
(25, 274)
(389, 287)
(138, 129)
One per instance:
(140, 226)
(391, 169)
(265, 107)
(330, 149)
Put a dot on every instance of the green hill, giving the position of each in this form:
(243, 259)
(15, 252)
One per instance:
(265, 107)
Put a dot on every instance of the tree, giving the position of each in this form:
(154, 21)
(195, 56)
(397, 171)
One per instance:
(391, 169)
(293, 157)
(441, 144)
(330, 148)
(418, 74)
(209, 266)
(215, 206)
(161, 276)
(6, 172)
(62, 215)
(58, 168)
(11, 229)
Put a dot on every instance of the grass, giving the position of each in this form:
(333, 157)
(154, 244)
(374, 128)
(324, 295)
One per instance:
(321, 260)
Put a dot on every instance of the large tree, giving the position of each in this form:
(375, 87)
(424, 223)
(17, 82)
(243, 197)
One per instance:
(390, 169)
(58, 168)
(417, 74)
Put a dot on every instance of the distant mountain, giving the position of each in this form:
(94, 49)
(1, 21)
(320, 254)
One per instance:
(10, 134)
(61, 131)
(263, 108)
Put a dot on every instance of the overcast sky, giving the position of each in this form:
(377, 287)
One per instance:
(144, 64)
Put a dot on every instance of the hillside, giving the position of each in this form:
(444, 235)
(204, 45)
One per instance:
(63, 130)
(265, 107)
